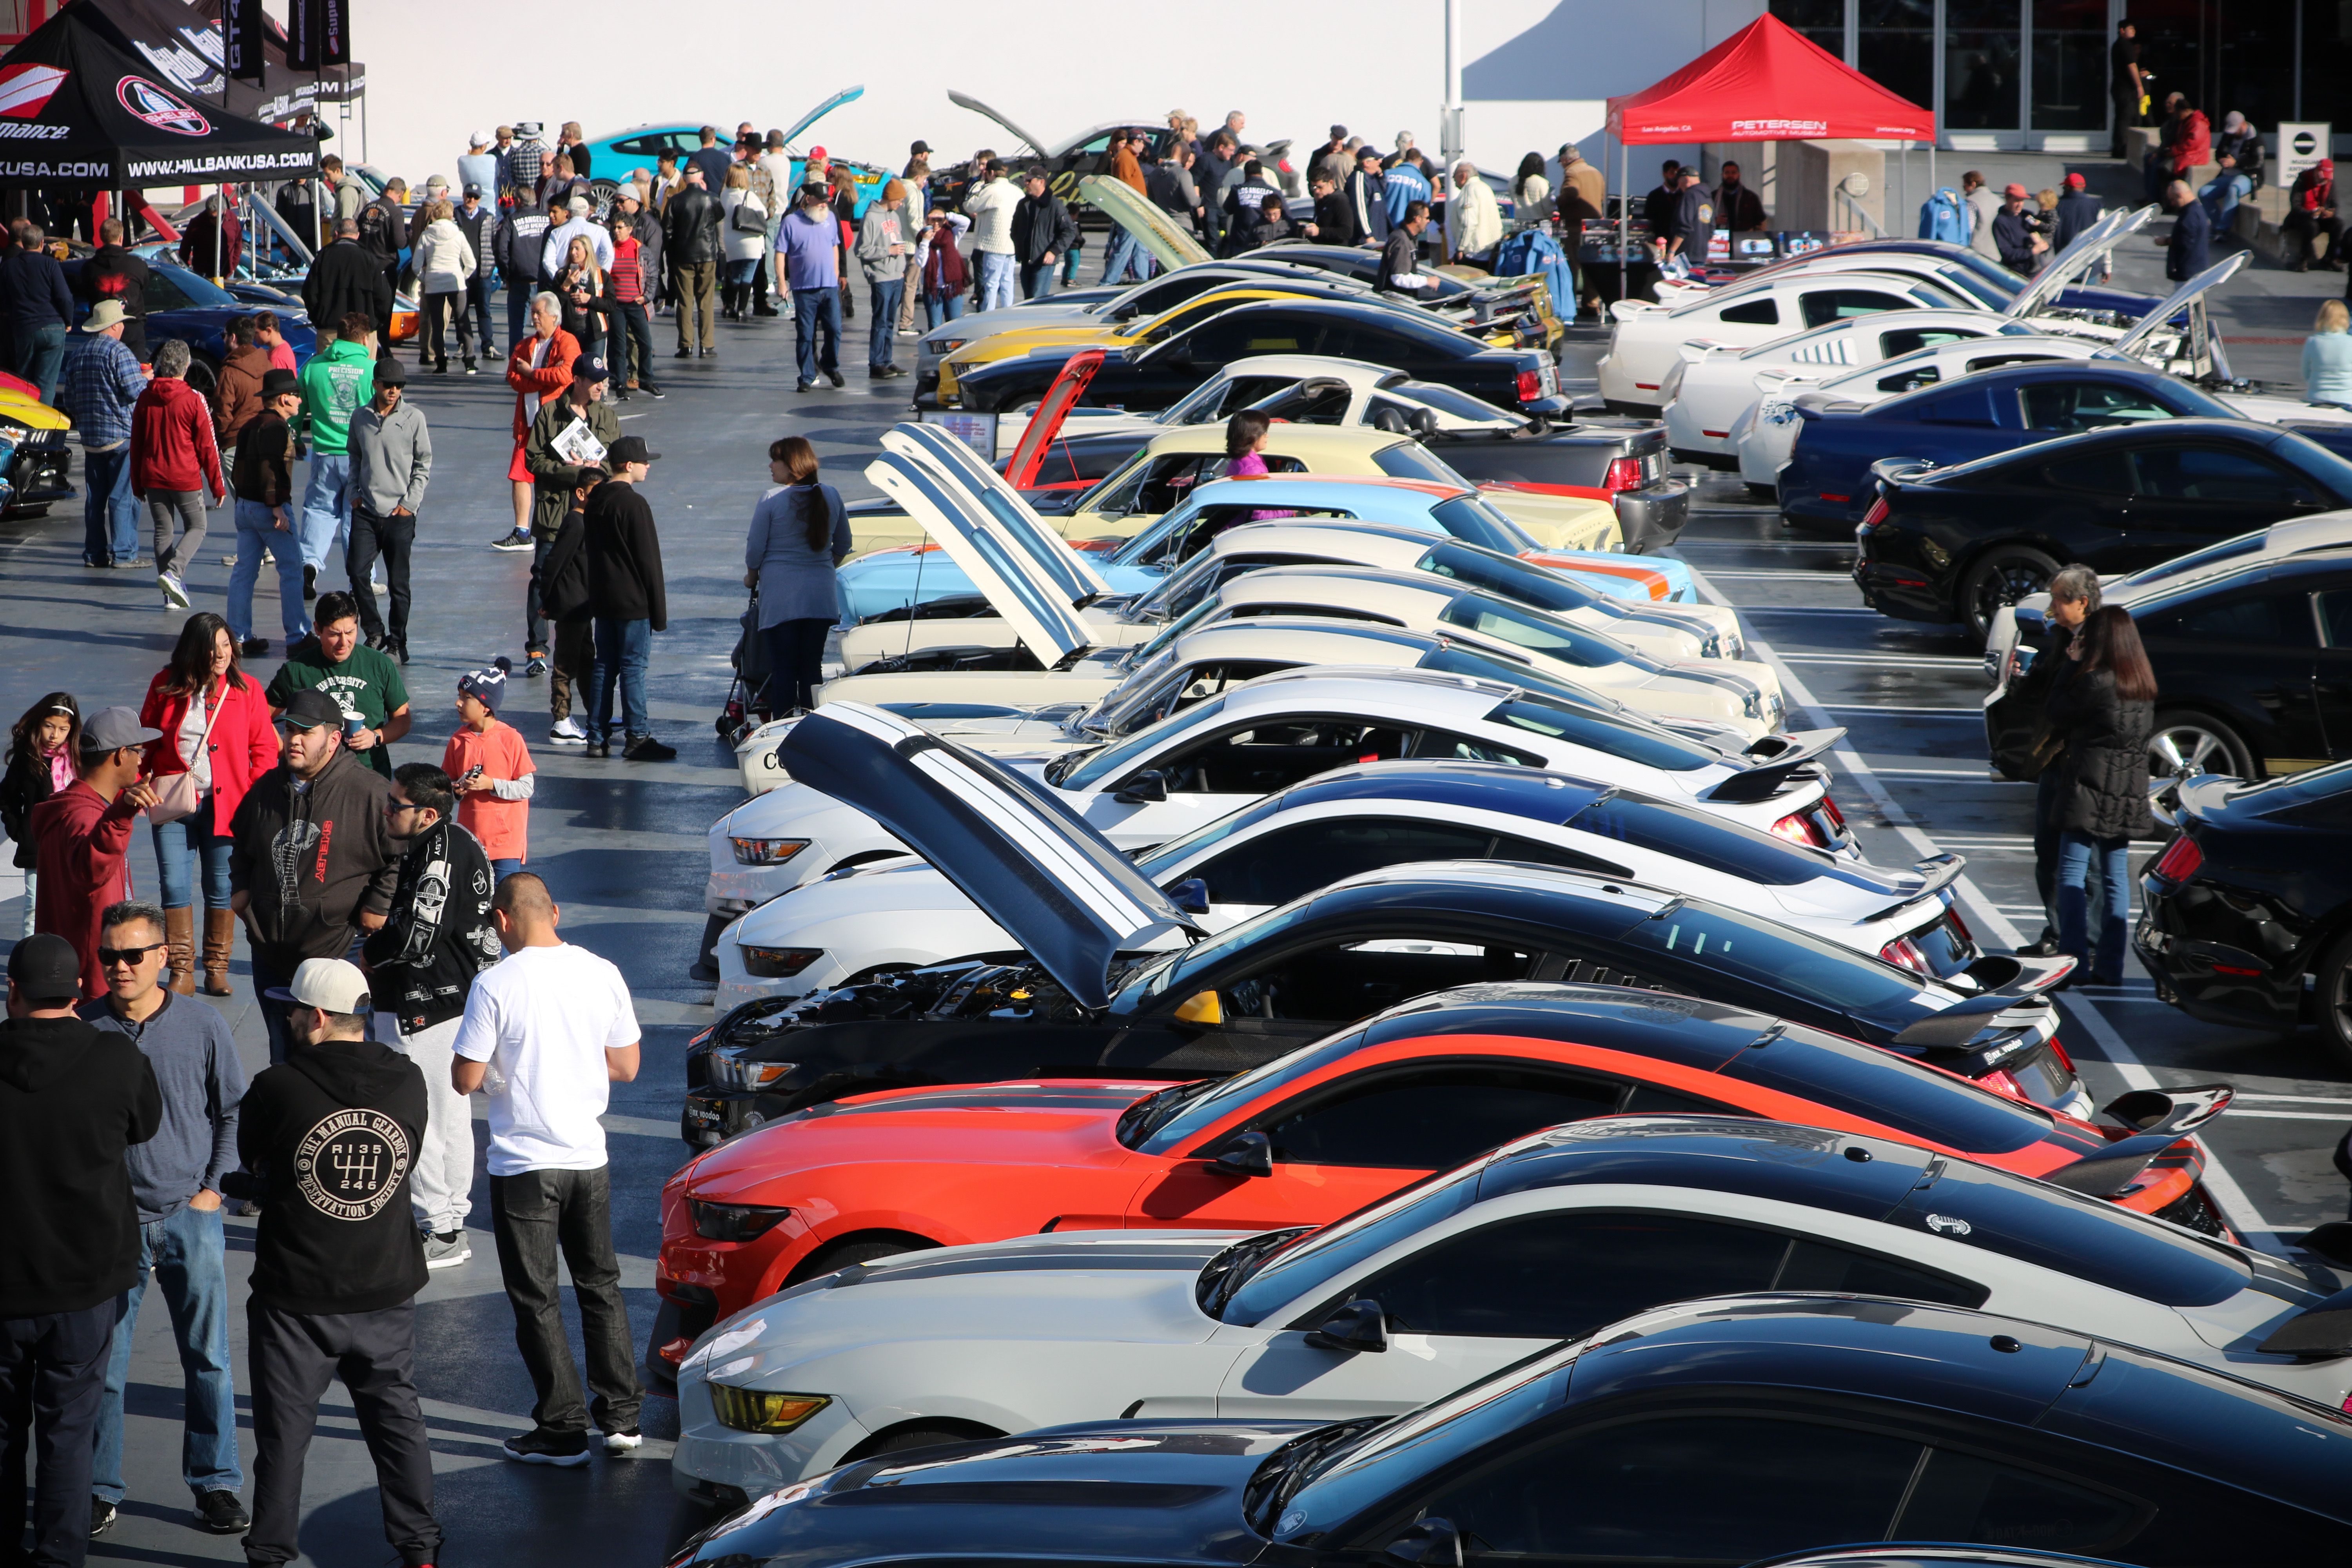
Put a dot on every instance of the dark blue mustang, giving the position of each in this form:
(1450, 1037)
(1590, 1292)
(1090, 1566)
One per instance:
(180, 304)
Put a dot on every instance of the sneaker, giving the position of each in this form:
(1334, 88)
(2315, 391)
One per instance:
(518, 540)
(310, 584)
(568, 1449)
(253, 647)
(627, 1442)
(473, 369)
(220, 1512)
(805, 386)
(836, 377)
(599, 748)
(683, 353)
(176, 593)
(566, 732)
(655, 392)
(130, 564)
(646, 749)
(536, 668)
(101, 1517)
(446, 1250)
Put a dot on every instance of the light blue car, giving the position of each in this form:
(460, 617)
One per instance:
(640, 146)
(895, 578)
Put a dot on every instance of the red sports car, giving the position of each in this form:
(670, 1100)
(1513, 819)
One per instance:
(1319, 1134)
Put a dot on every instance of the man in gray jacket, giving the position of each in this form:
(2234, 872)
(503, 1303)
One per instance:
(175, 1180)
(392, 457)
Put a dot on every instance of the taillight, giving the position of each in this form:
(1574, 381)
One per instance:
(1624, 474)
(1530, 386)
(1875, 515)
(1797, 830)
(1829, 809)
(2179, 860)
(1905, 952)
(2060, 1052)
(1952, 913)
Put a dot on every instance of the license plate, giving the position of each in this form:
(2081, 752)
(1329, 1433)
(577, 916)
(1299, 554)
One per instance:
(701, 1114)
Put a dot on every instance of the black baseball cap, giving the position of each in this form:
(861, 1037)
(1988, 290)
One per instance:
(629, 450)
(589, 368)
(45, 968)
(310, 708)
(390, 373)
(918, 149)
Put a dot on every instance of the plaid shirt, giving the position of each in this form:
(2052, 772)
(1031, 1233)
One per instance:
(101, 383)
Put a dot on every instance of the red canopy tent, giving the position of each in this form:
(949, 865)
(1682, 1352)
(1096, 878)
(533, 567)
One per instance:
(1767, 82)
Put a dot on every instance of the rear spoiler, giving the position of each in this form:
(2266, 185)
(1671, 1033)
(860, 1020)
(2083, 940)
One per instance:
(2165, 1116)
(1940, 871)
(1763, 780)
(1961, 1022)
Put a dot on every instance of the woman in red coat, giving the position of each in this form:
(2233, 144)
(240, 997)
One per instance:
(216, 723)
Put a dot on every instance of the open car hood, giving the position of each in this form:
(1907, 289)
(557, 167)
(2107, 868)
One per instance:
(965, 100)
(847, 95)
(2094, 242)
(1008, 845)
(1155, 229)
(1038, 612)
(2179, 299)
(1070, 386)
(1057, 568)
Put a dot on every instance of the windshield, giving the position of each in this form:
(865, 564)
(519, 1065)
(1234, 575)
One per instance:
(1198, 1112)
(1507, 575)
(1536, 631)
(2196, 560)
(1447, 400)
(1468, 517)
(1602, 732)
(1182, 974)
(1991, 287)
(1707, 937)
(1086, 769)
(1147, 652)
(199, 290)
(1311, 1261)
(1411, 461)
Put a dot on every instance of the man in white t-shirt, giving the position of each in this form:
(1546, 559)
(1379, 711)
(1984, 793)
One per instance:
(548, 1030)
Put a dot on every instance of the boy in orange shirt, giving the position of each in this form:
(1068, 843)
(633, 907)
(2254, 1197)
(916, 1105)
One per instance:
(491, 770)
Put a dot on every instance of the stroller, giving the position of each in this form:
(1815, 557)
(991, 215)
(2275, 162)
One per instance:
(747, 693)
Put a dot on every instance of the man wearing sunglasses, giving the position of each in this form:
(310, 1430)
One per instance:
(175, 1180)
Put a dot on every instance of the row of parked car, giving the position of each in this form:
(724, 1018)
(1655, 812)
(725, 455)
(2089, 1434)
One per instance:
(1371, 1043)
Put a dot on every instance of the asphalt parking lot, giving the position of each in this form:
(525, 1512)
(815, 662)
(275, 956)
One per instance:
(622, 847)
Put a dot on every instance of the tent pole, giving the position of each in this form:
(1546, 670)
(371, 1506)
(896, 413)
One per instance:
(1624, 210)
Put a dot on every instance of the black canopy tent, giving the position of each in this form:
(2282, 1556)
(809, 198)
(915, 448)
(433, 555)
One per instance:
(183, 42)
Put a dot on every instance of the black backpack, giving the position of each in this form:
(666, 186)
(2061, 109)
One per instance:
(375, 228)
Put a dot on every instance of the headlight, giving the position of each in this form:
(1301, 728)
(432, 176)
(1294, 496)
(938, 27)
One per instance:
(777, 963)
(950, 346)
(725, 1070)
(12, 430)
(750, 1410)
(733, 1222)
(766, 851)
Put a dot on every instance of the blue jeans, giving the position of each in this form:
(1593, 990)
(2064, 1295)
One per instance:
(622, 651)
(327, 508)
(257, 531)
(110, 512)
(40, 356)
(185, 1249)
(500, 870)
(815, 311)
(1126, 253)
(741, 272)
(1036, 279)
(518, 311)
(180, 845)
(2221, 194)
(997, 270)
(884, 331)
(2075, 854)
(938, 308)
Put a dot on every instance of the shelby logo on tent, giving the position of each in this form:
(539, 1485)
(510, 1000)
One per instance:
(160, 109)
(25, 91)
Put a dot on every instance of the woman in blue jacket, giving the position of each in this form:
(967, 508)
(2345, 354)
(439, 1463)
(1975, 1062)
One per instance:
(799, 533)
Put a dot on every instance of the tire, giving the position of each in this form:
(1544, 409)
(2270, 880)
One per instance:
(600, 192)
(2331, 1001)
(1763, 492)
(2001, 575)
(2183, 737)
(857, 1250)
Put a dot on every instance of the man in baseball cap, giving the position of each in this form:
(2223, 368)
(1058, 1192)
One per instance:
(2015, 234)
(73, 1098)
(628, 597)
(81, 834)
(327, 1139)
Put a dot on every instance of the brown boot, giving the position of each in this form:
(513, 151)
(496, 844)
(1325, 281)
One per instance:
(220, 940)
(180, 940)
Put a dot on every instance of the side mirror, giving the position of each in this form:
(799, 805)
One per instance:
(1246, 1154)
(1431, 1543)
(1143, 789)
(1360, 1326)
(1191, 895)
(2332, 1241)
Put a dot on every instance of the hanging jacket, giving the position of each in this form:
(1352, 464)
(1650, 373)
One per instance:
(72, 1100)
(2103, 780)
(310, 860)
(1943, 216)
(1533, 250)
(440, 935)
(329, 1136)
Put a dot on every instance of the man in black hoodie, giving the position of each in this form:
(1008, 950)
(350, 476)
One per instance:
(314, 857)
(328, 1138)
(72, 1101)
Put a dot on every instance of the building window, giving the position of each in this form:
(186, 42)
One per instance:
(2070, 65)
(1981, 59)
(2254, 59)
(2327, 63)
(1896, 47)
(1822, 21)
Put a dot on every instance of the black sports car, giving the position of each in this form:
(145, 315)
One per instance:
(2253, 894)
(1957, 543)
(1519, 381)
(2253, 663)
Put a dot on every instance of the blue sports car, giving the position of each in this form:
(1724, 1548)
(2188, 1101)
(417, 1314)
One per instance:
(637, 147)
(180, 304)
(1827, 482)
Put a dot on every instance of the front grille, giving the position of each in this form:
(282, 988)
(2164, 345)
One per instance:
(41, 439)
(2191, 1210)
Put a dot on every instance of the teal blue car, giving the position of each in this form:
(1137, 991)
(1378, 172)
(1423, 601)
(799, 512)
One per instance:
(638, 147)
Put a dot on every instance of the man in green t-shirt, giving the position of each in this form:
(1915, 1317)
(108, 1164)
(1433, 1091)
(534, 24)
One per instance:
(364, 683)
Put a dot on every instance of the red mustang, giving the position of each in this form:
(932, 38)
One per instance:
(1316, 1134)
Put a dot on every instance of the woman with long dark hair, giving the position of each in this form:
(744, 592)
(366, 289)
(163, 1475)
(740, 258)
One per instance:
(216, 727)
(2106, 711)
(41, 750)
(799, 533)
(585, 293)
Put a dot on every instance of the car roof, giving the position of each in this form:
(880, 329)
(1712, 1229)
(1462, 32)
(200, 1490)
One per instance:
(1755, 286)
(2238, 432)
(1504, 788)
(1337, 440)
(1321, 537)
(1352, 371)
(1400, 690)
(1370, 498)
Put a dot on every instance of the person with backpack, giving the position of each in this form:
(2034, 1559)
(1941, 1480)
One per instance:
(114, 273)
(521, 245)
(384, 234)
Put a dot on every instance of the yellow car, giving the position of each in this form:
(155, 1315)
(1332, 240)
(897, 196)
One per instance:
(1158, 479)
(32, 473)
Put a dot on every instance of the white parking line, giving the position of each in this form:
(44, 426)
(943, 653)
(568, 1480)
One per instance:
(1896, 660)
(1976, 713)
(2237, 1207)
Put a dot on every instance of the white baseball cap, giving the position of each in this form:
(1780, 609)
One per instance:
(480, 139)
(332, 984)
